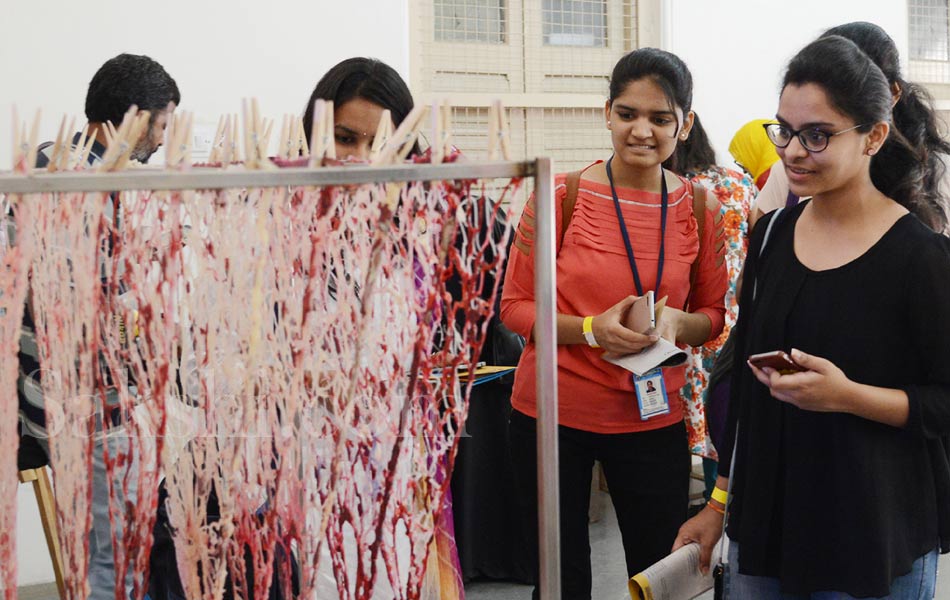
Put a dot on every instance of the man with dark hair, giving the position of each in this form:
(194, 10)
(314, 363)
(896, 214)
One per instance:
(124, 81)
(121, 82)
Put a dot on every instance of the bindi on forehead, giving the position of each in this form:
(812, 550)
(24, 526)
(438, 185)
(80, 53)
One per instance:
(345, 130)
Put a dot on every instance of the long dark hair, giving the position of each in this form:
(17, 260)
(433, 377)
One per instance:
(666, 70)
(695, 154)
(858, 88)
(366, 78)
(915, 119)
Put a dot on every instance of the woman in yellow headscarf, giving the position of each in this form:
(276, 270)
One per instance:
(753, 151)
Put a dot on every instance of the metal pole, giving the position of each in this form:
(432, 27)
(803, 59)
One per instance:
(545, 332)
(211, 178)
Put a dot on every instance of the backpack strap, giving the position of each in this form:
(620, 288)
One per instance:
(765, 241)
(699, 212)
(573, 181)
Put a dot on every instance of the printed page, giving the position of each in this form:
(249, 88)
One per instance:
(676, 577)
(661, 354)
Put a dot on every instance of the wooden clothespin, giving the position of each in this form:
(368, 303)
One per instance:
(257, 133)
(446, 141)
(498, 138)
(403, 139)
(328, 128)
(137, 127)
(264, 140)
(60, 147)
(117, 146)
(189, 139)
(302, 138)
(233, 147)
(437, 150)
(441, 118)
(317, 147)
(292, 144)
(384, 131)
(217, 142)
(70, 148)
(285, 142)
(179, 140)
(24, 145)
(321, 134)
(83, 147)
(250, 133)
(110, 133)
(169, 143)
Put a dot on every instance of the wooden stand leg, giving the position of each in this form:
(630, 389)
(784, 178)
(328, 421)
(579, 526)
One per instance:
(47, 508)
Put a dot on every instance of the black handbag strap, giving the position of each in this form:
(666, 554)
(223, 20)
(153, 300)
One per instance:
(723, 545)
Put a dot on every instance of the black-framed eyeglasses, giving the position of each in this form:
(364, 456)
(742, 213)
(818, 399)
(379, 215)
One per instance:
(813, 140)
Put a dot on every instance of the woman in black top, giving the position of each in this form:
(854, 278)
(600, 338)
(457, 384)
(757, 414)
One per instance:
(842, 472)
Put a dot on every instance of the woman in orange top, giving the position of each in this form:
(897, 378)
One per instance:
(632, 230)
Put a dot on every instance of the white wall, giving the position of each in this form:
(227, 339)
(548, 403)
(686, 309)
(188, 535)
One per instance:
(218, 51)
(737, 50)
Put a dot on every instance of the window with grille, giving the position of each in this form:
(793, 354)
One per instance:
(929, 24)
(574, 22)
(548, 61)
(470, 21)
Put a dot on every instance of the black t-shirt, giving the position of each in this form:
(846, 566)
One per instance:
(831, 501)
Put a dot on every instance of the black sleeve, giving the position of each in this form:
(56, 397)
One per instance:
(928, 311)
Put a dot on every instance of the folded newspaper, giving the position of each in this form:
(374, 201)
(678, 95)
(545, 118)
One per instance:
(676, 577)
(663, 353)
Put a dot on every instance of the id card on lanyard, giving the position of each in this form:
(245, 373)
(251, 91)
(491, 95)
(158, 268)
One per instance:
(652, 399)
(651, 394)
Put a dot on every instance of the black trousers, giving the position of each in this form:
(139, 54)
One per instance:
(648, 476)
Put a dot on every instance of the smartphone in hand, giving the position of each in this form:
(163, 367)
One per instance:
(778, 360)
(642, 316)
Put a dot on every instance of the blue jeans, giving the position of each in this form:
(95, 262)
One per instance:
(919, 584)
(101, 572)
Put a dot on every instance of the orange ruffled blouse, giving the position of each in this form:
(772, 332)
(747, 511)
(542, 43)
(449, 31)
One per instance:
(593, 274)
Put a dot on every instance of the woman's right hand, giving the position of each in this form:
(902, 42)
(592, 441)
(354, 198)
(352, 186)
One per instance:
(613, 336)
(704, 529)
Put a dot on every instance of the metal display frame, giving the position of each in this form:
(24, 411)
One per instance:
(545, 329)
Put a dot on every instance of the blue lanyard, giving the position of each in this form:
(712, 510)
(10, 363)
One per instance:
(664, 205)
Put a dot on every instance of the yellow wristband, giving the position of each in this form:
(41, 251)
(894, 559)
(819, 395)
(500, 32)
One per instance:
(588, 329)
(719, 495)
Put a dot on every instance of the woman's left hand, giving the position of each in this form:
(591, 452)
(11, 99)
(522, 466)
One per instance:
(823, 387)
(668, 325)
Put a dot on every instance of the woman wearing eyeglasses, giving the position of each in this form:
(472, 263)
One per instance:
(913, 116)
(841, 480)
